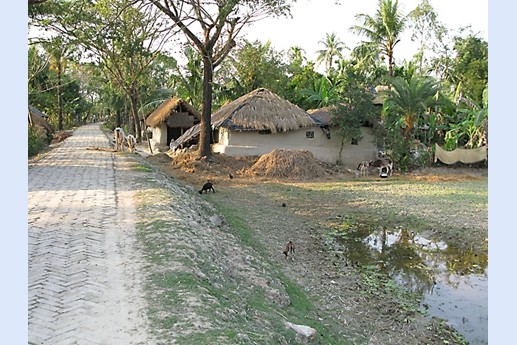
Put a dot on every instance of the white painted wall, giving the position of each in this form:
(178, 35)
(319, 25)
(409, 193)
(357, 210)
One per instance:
(159, 135)
(250, 143)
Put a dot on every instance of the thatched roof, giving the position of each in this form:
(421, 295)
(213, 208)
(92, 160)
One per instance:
(38, 119)
(261, 109)
(168, 108)
(258, 110)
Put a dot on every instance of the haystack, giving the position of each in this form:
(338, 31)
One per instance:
(292, 164)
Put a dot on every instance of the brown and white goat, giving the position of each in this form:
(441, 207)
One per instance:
(289, 249)
(363, 168)
(131, 143)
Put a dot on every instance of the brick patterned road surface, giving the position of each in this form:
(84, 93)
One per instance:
(84, 272)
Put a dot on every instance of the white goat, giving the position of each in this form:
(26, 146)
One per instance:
(119, 136)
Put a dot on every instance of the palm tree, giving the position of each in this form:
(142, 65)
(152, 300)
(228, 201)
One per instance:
(412, 98)
(383, 30)
(333, 47)
(58, 50)
(296, 54)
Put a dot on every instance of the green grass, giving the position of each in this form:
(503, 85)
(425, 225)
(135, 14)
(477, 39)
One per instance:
(367, 203)
(142, 168)
(165, 289)
(300, 310)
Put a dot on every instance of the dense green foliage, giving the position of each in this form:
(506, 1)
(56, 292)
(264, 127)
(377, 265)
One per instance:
(37, 140)
(121, 75)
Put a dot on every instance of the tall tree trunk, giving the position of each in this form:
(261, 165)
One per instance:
(206, 126)
(134, 127)
(390, 64)
(117, 119)
(59, 100)
(131, 114)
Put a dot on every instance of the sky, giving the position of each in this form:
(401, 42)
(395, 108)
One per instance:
(313, 19)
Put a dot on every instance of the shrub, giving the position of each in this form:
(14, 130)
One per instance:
(37, 140)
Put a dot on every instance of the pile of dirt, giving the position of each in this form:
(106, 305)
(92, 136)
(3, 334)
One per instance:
(292, 164)
(220, 168)
(60, 136)
(218, 164)
(159, 158)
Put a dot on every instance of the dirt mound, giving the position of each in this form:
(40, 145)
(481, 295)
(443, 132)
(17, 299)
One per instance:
(218, 164)
(161, 158)
(60, 136)
(292, 164)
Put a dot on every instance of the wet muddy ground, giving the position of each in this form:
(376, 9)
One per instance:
(452, 283)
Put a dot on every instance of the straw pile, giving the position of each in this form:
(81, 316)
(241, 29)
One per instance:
(298, 165)
(217, 165)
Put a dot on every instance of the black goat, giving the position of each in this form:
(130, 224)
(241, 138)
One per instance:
(206, 187)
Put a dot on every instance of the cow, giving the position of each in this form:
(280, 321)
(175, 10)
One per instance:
(131, 143)
(383, 163)
(120, 138)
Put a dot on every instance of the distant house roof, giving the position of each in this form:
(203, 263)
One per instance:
(37, 112)
(258, 110)
(379, 94)
(39, 119)
(261, 109)
(321, 115)
(168, 108)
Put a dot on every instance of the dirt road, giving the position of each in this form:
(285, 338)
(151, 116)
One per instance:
(83, 271)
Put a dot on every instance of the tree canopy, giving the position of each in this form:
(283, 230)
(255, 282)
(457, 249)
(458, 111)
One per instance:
(121, 58)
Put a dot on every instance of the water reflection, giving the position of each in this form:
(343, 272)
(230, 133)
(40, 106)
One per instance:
(453, 282)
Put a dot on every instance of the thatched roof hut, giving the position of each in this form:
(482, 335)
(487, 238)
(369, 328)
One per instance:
(258, 110)
(176, 112)
(170, 120)
(37, 118)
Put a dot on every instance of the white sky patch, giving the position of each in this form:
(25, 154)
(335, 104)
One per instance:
(313, 19)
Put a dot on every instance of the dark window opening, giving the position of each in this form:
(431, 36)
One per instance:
(309, 134)
(326, 130)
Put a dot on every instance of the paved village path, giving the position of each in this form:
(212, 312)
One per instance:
(84, 272)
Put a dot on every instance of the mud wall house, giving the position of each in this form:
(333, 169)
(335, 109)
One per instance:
(169, 121)
(256, 124)
(353, 152)
(261, 121)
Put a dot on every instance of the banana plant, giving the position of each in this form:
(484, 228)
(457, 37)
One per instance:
(472, 131)
(325, 92)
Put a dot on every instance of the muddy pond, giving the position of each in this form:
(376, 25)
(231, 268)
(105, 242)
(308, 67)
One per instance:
(452, 283)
